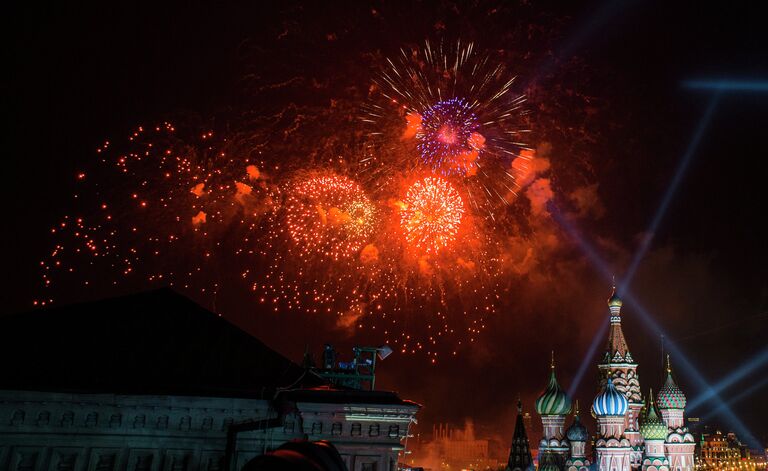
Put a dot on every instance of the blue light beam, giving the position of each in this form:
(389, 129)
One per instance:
(741, 372)
(738, 398)
(728, 85)
(682, 169)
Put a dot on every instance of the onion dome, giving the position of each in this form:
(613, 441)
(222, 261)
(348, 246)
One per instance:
(553, 401)
(610, 401)
(548, 462)
(614, 300)
(670, 396)
(652, 427)
(577, 432)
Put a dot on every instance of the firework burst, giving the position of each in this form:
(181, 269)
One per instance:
(330, 215)
(431, 214)
(458, 107)
(447, 137)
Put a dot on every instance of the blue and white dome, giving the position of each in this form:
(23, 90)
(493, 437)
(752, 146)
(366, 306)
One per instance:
(610, 401)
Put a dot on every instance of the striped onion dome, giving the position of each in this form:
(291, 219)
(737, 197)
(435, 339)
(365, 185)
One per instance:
(548, 462)
(610, 401)
(652, 427)
(577, 432)
(553, 401)
(670, 396)
(549, 466)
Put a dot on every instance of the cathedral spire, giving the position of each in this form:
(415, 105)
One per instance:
(616, 350)
(520, 454)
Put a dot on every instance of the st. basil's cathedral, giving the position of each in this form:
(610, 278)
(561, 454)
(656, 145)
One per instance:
(634, 432)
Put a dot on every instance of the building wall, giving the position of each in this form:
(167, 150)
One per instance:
(369, 437)
(41, 431)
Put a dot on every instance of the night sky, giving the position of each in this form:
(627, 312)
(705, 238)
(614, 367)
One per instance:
(610, 118)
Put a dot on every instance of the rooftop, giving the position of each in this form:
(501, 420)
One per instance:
(154, 342)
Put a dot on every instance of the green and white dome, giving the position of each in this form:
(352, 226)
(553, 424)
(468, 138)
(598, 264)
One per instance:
(553, 401)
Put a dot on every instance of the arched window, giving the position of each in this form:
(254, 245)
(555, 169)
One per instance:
(185, 423)
(207, 423)
(67, 419)
(43, 418)
(18, 417)
(139, 421)
(116, 420)
(92, 419)
(162, 422)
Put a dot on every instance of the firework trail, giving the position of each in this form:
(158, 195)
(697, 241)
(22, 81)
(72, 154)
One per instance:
(163, 210)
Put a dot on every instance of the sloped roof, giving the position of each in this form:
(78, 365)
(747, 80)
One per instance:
(155, 342)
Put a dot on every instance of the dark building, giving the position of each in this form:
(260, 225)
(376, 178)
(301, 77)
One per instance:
(153, 381)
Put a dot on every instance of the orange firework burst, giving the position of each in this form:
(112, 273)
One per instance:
(329, 215)
(432, 214)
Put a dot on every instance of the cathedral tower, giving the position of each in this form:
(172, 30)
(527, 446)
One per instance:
(520, 454)
(553, 405)
(613, 450)
(577, 436)
(619, 365)
(679, 444)
(654, 431)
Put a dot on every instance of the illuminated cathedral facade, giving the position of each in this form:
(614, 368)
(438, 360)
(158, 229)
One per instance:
(633, 432)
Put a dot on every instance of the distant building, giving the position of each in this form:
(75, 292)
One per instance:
(717, 451)
(153, 382)
(456, 449)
